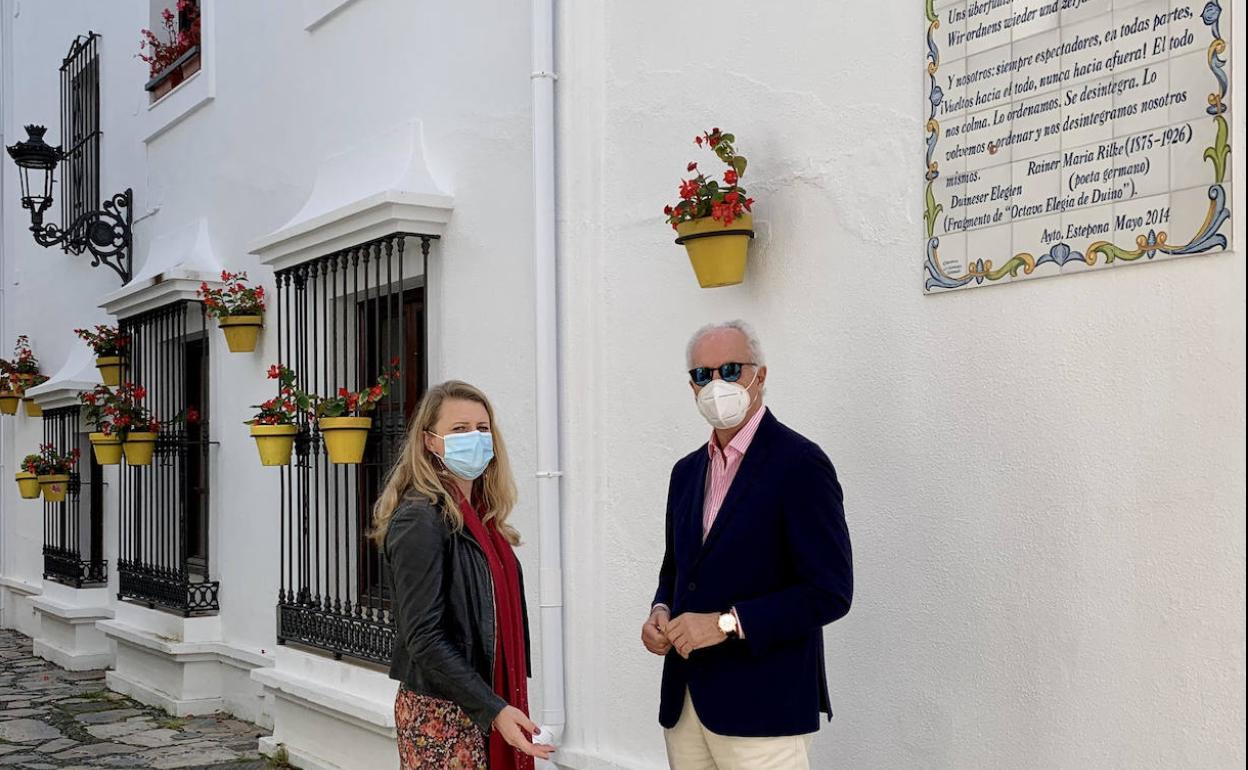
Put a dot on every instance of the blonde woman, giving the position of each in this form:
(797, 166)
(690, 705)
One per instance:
(461, 650)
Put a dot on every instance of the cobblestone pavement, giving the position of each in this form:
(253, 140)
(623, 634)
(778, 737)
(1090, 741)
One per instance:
(52, 719)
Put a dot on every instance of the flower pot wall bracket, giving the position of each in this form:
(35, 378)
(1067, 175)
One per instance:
(730, 231)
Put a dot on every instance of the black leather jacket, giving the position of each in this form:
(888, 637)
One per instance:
(444, 612)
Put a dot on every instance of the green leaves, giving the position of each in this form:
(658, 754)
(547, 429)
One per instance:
(738, 163)
(331, 408)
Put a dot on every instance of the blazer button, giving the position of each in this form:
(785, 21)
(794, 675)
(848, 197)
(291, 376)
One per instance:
(693, 586)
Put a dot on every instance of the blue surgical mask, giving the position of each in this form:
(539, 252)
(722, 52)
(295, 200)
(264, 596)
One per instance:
(467, 454)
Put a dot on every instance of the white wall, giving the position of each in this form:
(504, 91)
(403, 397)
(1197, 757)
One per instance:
(1044, 482)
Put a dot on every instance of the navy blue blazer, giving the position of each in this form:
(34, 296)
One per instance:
(779, 552)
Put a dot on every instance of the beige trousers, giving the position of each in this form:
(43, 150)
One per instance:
(690, 746)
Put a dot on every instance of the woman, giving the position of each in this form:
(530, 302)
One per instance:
(461, 647)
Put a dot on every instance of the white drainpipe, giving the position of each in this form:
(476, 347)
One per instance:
(547, 368)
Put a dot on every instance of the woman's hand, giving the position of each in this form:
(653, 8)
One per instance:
(512, 724)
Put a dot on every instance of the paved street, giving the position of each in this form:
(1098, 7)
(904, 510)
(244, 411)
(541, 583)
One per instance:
(51, 718)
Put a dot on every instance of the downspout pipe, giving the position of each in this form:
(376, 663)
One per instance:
(546, 359)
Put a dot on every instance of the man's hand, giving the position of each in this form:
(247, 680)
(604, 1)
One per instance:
(694, 631)
(513, 725)
(654, 632)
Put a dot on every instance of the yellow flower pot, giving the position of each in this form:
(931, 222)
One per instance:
(716, 251)
(107, 448)
(139, 448)
(241, 332)
(28, 485)
(8, 402)
(275, 442)
(110, 369)
(54, 486)
(345, 438)
(32, 408)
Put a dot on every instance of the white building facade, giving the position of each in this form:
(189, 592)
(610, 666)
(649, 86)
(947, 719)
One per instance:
(1044, 482)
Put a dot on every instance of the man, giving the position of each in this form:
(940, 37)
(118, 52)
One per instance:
(757, 563)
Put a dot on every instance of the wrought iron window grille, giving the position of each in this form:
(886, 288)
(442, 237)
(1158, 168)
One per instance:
(341, 318)
(163, 545)
(66, 537)
(105, 231)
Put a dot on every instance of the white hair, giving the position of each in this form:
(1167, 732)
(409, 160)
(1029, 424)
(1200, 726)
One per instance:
(751, 340)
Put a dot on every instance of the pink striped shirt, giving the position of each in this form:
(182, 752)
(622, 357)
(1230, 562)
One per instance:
(720, 471)
(723, 466)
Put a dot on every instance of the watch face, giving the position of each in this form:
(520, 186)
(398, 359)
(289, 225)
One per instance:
(727, 623)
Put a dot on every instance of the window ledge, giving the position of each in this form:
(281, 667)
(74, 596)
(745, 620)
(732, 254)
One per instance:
(69, 613)
(377, 715)
(183, 651)
(177, 105)
(20, 586)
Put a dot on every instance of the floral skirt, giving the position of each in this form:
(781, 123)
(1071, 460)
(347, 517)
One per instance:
(436, 734)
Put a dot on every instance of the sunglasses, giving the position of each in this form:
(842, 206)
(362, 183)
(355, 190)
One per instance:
(730, 372)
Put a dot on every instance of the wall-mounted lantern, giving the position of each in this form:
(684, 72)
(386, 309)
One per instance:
(105, 231)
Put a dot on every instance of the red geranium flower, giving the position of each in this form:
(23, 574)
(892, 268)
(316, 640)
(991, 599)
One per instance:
(703, 197)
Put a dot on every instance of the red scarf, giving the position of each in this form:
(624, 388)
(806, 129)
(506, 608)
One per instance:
(510, 674)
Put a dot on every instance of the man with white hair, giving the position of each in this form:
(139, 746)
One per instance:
(757, 563)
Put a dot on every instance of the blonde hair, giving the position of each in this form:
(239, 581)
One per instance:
(419, 473)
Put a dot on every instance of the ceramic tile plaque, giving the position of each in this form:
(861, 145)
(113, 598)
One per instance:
(1073, 135)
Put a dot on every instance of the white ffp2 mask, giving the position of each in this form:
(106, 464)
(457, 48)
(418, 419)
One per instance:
(725, 404)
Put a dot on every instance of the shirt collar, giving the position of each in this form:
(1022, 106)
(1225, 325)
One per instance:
(740, 442)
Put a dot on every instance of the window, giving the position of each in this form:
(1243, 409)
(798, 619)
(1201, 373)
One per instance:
(80, 130)
(74, 528)
(183, 80)
(341, 318)
(176, 53)
(378, 322)
(164, 536)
